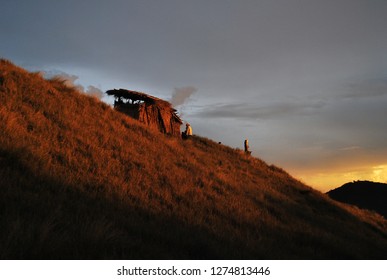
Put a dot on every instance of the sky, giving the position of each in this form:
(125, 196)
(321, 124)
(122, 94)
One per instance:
(304, 80)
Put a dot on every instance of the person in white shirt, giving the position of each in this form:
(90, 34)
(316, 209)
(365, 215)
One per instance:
(247, 147)
(188, 131)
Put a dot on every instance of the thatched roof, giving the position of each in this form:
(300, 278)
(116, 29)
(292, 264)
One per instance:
(135, 96)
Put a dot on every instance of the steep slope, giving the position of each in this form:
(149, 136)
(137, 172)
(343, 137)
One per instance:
(364, 194)
(81, 181)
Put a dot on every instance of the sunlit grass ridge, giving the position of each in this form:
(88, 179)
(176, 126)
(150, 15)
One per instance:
(80, 180)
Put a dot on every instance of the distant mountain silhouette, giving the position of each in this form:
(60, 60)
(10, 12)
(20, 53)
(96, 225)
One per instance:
(364, 194)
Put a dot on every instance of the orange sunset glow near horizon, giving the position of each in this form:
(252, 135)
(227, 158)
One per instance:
(325, 182)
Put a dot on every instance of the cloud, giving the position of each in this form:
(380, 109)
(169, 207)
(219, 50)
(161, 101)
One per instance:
(181, 95)
(350, 148)
(93, 91)
(367, 89)
(273, 110)
(70, 81)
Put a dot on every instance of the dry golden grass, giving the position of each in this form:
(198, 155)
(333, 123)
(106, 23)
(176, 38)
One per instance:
(81, 181)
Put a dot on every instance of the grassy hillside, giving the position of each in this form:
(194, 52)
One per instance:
(364, 194)
(79, 180)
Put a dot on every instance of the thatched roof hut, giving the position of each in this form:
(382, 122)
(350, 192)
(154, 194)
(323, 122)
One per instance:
(152, 111)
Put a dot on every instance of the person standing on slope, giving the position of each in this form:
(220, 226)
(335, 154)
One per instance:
(188, 131)
(247, 147)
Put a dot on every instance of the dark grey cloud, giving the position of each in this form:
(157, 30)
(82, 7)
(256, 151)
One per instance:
(367, 89)
(255, 111)
(228, 43)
